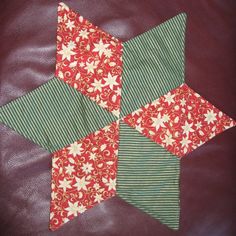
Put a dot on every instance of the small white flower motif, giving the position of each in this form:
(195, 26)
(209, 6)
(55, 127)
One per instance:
(81, 183)
(107, 128)
(60, 75)
(72, 209)
(185, 142)
(64, 184)
(116, 152)
(212, 135)
(110, 80)
(84, 34)
(96, 132)
(139, 128)
(54, 162)
(97, 84)
(111, 184)
(210, 117)
(165, 118)
(64, 6)
(182, 102)
(103, 104)
(168, 139)
(116, 113)
(66, 52)
(59, 19)
(100, 47)
(136, 112)
(71, 45)
(96, 186)
(108, 53)
(90, 67)
(69, 169)
(139, 120)
(156, 102)
(158, 122)
(92, 156)
(118, 92)
(98, 198)
(198, 125)
(81, 64)
(169, 98)
(176, 107)
(87, 168)
(82, 209)
(200, 143)
(75, 149)
(65, 220)
(70, 24)
(187, 128)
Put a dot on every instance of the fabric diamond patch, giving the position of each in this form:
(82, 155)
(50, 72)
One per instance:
(153, 64)
(54, 115)
(148, 176)
(89, 59)
(180, 121)
(84, 174)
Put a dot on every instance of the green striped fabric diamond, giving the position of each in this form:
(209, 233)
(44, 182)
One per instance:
(54, 115)
(153, 64)
(148, 176)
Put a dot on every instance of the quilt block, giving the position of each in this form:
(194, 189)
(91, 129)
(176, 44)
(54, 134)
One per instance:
(116, 110)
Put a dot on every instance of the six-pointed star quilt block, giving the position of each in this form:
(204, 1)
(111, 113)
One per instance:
(112, 111)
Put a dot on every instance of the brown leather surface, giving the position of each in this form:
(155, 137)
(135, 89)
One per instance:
(27, 60)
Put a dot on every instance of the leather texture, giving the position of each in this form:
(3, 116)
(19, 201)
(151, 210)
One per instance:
(27, 60)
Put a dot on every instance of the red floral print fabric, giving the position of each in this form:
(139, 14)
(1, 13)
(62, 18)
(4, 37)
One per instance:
(84, 174)
(89, 59)
(180, 121)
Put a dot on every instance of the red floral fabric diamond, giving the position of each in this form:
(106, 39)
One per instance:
(180, 121)
(89, 59)
(84, 174)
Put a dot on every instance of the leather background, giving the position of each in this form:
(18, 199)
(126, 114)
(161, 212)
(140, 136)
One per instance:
(27, 60)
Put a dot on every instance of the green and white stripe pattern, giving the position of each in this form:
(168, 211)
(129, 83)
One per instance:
(54, 115)
(153, 64)
(148, 176)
